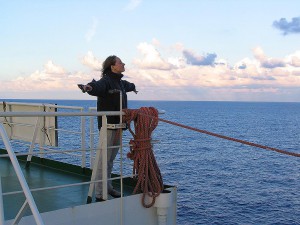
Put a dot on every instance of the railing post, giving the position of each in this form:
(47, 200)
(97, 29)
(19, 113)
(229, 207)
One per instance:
(10, 120)
(83, 162)
(103, 149)
(121, 156)
(92, 145)
(21, 213)
(42, 138)
(35, 133)
(20, 175)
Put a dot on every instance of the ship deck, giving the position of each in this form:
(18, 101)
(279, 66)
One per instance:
(48, 173)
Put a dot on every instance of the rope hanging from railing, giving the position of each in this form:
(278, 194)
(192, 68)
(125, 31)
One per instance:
(149, 179)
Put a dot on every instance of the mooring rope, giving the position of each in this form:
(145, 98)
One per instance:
(230, 138)
(145, 166)
(149, 179)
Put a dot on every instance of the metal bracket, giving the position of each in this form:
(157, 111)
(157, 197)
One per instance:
(116, 126)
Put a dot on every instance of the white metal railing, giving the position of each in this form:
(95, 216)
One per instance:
(29, 198)
(92, 136)
(12, 155)
(39, 131)
(25, 188)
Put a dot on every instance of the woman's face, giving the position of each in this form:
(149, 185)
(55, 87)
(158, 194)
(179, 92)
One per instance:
(119, 66)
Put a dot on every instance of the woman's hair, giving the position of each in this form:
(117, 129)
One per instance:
(108, 62)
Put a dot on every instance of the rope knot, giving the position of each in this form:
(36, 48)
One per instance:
(138, 145)
(141, 144)
(133, 146)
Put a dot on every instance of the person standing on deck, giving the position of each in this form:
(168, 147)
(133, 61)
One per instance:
(108, 99)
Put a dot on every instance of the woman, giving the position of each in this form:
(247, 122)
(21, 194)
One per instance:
(108, 99)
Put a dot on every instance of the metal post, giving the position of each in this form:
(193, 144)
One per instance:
(121, 157)
(42, 138)
(20, 213)
(103, 150)
(92, 145)
(10, 120)
(83, 161)
(35, 132)
(20, 175)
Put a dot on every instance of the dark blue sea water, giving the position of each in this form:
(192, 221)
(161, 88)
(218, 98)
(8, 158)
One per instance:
(223, 182)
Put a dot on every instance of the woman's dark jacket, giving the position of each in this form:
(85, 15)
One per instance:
(108, 101)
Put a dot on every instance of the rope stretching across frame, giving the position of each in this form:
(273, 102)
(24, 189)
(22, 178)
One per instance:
(231, 139)
(145, 166)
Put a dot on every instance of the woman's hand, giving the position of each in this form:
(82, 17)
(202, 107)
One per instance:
(84, 88)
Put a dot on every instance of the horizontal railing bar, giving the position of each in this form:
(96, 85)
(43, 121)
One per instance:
(69, 131)
(72, 150)
(66, 185)
(48, 114)
(61, 151)
(44, 153)
(41, 104)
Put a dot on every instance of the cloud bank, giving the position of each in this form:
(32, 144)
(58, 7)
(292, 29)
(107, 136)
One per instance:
(182, 75)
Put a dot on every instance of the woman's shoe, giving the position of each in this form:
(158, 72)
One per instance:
(114, 193)
(100, 200)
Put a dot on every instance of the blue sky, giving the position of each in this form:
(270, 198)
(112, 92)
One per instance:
(225, 50)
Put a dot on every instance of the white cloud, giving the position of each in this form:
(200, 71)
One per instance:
(267, 62)
(293, 59)
(51, 68)
(52, 77)
(91, 61)
(151, 58)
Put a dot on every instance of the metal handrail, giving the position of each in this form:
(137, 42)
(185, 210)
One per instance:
(20, 175)
(29, 198)
(65, 186)
(49, 114)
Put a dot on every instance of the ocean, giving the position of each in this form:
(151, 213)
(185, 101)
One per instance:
(220, 181)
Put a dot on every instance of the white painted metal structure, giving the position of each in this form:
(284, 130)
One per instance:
(109, 213)
(125, 210)
(21, 128)
(40, 130)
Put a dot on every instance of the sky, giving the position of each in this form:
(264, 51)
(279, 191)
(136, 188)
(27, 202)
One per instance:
(182, 50)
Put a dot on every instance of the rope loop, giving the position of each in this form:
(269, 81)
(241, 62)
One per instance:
(149, 179)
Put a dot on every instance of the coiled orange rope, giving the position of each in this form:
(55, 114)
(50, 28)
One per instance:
(149, 179)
